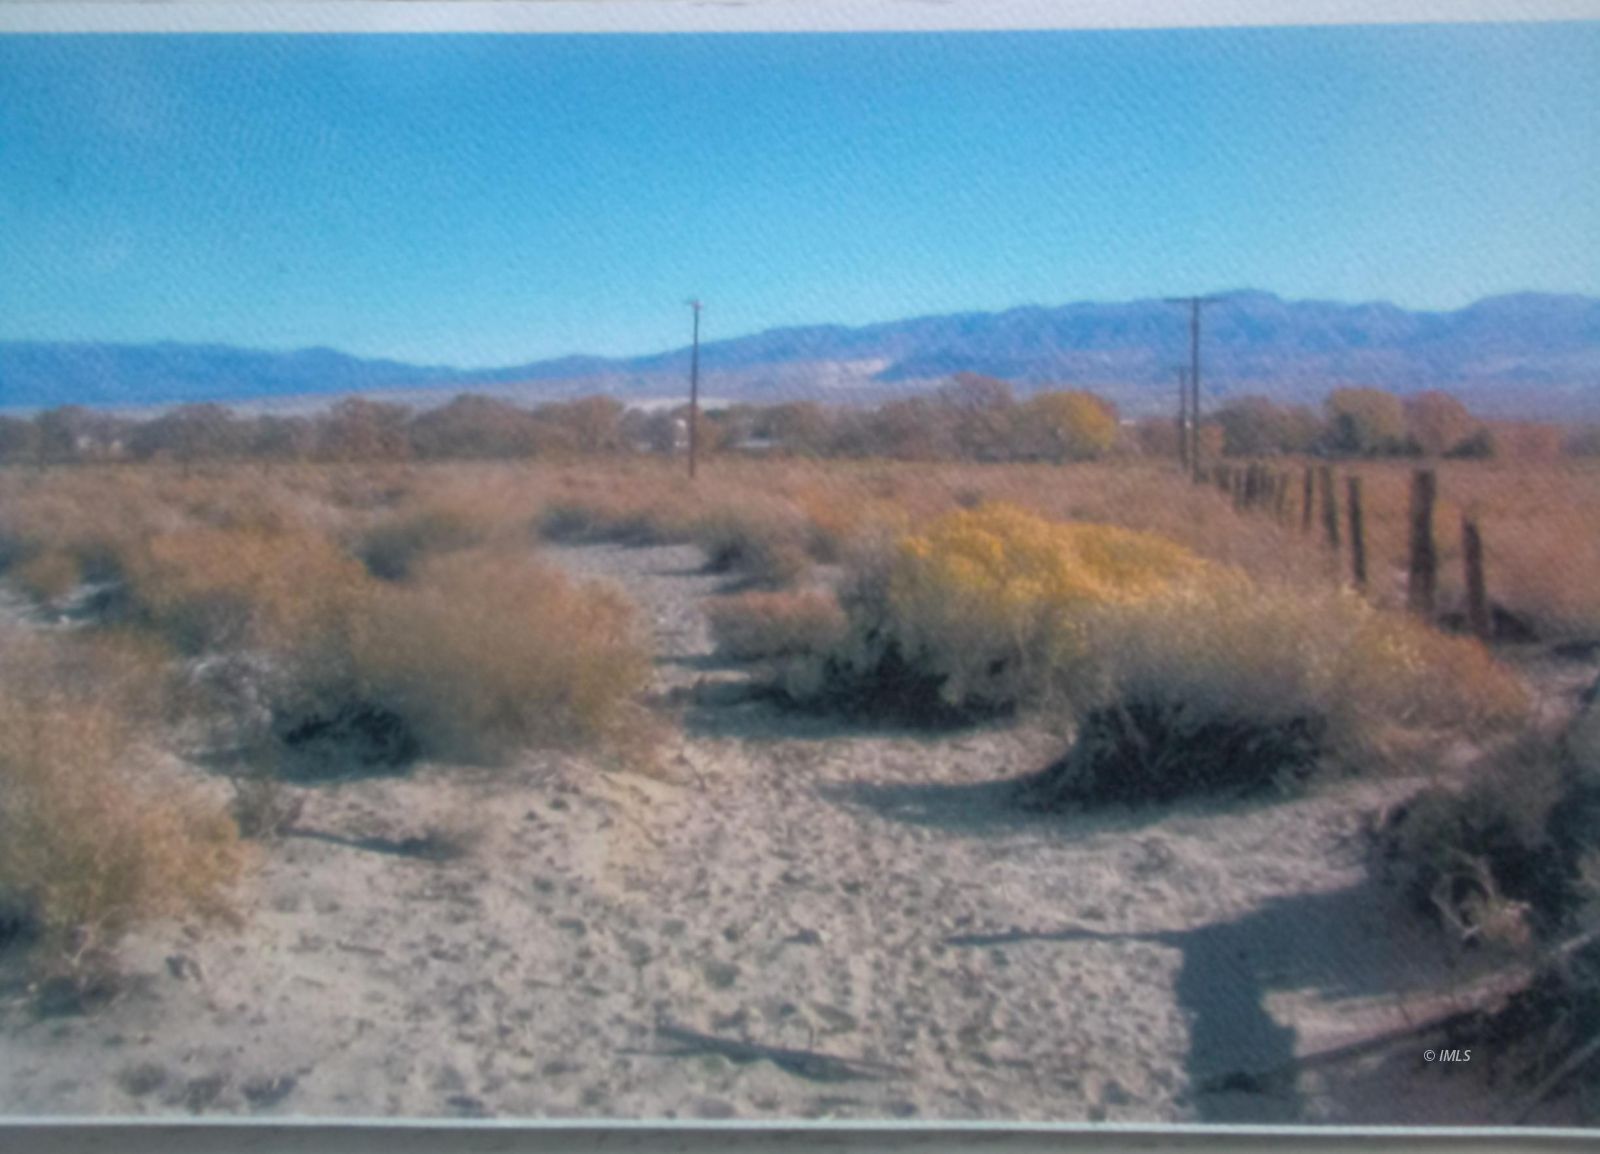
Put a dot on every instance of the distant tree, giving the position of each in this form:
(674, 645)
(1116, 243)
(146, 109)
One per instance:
(357, 429)
(1436, 422)
(1254, 427)
(188, 434)
(1069, 426)
(741, 424)
(1258, 426)
(713, 432)
(911, 429)
(271, 438)
(593, 424)
(1156, 437)
(61, 433)
(476, 426)
(663, 430)
(19, 441)
(981, 414)
(800, 427)
(1364, 423)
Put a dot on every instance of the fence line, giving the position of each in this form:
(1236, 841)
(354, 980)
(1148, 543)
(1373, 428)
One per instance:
(1261, 486)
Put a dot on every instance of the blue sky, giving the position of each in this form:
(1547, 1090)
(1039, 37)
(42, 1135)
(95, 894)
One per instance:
(480, 200)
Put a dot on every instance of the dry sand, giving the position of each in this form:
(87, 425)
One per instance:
(790, 919)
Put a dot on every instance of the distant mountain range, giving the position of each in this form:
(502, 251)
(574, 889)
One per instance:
(1530, 353)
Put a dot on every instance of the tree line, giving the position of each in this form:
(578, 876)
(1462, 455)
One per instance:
(971, 417)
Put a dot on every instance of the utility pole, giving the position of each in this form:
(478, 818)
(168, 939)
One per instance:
(1183, 417)
(694, 391)
(1195, 305)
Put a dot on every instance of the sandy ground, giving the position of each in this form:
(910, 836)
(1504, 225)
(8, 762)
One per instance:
(788, 919)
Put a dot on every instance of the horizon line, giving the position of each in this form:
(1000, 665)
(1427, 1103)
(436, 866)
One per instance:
(1224, 294)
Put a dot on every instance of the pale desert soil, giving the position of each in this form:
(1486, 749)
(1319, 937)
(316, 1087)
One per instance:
(870, 904)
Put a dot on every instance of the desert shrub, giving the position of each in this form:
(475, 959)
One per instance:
(1510, 858)
(49, 575)
(265, 619)
(765, 538)
(393, 546)
(1498, 858)
(986, 606)
(68, 518)
(1512, 850)
(751, 626)
(97, 834)
(216, 589)
(481, 653)
(765, 541)
(1179, 675)
(633, 520)
(1223, 685)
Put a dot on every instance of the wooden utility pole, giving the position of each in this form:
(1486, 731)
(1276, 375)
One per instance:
(694, 391)
(1195, 305)
(1183, 418)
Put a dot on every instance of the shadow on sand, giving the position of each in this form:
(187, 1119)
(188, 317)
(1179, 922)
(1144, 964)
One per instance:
(1334, 944)
(986, 806)
(430, 846)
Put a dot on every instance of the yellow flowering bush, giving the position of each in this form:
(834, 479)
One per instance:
(993, 601)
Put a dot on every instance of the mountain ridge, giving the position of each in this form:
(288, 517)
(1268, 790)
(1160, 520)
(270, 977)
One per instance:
(1539, 348)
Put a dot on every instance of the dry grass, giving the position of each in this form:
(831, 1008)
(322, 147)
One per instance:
(97, 834)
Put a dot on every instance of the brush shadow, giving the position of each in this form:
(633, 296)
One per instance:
(1239, 1065)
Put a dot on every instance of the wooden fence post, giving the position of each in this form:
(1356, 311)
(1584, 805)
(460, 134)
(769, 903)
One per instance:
(1358, 538)
(1423, 578)
(1306, 504)
(1330, 507)
(1477, 589)
(1280, 496)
